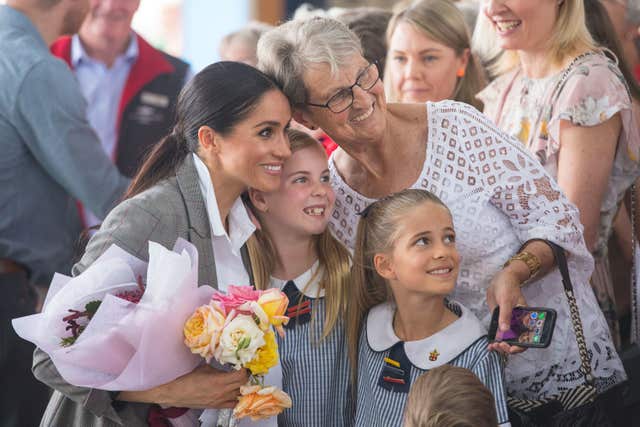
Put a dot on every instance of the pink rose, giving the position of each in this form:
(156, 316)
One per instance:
(235, 297)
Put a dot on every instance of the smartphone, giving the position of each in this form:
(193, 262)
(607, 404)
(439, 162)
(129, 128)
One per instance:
(530, 327)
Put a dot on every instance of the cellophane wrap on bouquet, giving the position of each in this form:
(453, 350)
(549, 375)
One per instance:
(127, 344)
(235, 330)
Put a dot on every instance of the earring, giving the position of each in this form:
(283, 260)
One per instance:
(460, 72)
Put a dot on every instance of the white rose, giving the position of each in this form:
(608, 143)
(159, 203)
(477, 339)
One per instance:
(239, 342)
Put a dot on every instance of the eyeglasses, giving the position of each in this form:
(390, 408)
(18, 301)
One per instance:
(343, 100)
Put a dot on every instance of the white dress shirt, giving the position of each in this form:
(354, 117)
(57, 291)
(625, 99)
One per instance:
(226, 246)
(226, 252)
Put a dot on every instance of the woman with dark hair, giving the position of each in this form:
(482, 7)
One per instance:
(230, 134)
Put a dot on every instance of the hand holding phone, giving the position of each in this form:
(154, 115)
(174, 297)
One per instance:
(529, 327)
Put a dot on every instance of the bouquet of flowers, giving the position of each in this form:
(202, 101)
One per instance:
(106, 327)
(236, 329)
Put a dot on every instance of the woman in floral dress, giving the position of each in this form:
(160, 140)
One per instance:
(567, 102)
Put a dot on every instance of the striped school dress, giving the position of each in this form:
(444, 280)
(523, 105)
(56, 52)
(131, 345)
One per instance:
(383, 387)
(314, 373)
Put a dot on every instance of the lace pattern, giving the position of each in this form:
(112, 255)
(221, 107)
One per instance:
(500, 196)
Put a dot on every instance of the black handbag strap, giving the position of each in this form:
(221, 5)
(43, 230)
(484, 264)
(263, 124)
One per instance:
(561, 261)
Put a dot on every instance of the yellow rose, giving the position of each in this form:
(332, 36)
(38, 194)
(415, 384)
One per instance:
(274, 304)
(258, 402)
(266, 356)
(202, 330)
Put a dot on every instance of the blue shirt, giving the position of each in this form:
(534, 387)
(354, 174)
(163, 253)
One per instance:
(102, 88)
(50, 154)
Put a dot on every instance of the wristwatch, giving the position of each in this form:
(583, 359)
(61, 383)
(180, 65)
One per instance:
(532, 261)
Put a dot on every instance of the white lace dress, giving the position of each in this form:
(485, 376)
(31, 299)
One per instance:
(500, 197)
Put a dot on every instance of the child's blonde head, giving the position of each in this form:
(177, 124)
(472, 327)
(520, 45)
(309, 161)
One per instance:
(332, 255)
(449, 396)
(377, 232)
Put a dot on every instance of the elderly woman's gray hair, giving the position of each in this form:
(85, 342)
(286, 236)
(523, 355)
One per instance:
(286, 52)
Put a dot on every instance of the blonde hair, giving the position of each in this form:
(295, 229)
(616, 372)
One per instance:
(377, 233)
(449, 396)
(441, 21)
(333, 257)
(569, 38)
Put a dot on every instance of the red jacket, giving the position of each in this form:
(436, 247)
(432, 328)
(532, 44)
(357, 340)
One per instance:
(141, 121)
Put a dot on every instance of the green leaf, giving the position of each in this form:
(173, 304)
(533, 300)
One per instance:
(92, 307)
(244, 343)
(67, 342)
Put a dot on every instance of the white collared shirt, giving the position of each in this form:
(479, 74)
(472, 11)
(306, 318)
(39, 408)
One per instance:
(226, 252)
(226, 247)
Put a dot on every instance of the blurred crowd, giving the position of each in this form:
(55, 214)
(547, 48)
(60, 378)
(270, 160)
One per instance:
(554, 85)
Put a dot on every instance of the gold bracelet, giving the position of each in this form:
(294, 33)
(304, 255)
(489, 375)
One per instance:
(532, 262)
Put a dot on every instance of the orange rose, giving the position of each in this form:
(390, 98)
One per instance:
(258, 402)
(202, 330)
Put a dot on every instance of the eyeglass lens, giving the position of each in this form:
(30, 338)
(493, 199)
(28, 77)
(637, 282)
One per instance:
(343, 99)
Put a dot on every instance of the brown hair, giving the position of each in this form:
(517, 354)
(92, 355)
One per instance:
(442, 21)
(449, 396)
(333, 257)
(377, 232)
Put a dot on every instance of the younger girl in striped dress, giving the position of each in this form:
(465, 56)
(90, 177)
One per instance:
(400, 322)
(295, 252)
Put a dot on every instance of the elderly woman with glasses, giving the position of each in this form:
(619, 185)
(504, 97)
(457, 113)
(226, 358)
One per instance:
(504, 205)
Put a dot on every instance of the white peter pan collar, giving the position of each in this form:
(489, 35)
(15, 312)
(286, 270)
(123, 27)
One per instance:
(309, 288)
(447, 344)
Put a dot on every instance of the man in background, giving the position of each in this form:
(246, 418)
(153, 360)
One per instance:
(50, 157)
(131, 88)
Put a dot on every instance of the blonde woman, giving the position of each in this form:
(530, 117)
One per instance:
(429, 56)
(568, 103)
(294, 251)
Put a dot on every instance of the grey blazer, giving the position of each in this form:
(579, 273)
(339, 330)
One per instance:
(173, 208)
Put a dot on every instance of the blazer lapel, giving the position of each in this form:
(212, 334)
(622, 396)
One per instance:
(246, 261)
(199, 227)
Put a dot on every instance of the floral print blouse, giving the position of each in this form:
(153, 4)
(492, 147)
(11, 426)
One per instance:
(589, 92)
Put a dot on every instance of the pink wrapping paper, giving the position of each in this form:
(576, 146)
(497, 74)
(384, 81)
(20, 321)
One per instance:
(126, 346)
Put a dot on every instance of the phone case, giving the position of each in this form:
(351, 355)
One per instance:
(547, 332)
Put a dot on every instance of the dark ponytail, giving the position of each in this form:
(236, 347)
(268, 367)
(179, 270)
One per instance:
(219, 96)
